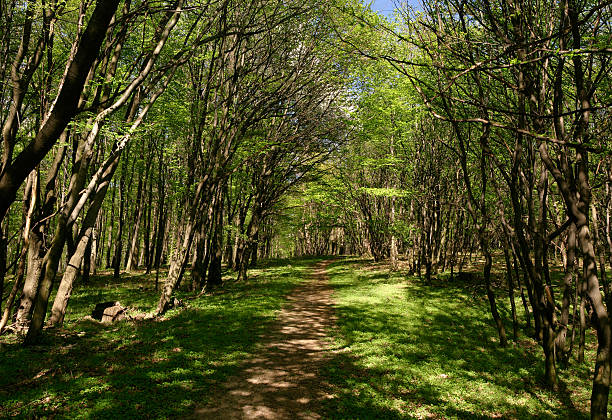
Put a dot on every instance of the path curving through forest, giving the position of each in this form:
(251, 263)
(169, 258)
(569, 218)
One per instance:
(283, 381)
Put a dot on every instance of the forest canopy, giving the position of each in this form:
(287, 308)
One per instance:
(189, 139)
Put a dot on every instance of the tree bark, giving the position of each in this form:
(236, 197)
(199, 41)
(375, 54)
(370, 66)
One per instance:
(64, 291)
(561, 340)
(181, 256)
(65, 106)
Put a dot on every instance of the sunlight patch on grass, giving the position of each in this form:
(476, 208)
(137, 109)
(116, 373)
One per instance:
(142, 369)
(418, 351)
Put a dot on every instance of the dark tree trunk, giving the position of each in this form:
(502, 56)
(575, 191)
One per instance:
(65, 105)
(87, 261)
(214, 277)
(111, 225)
(561, 340)
(119, 238)
(254, 249)
(3, 252)
(511, 293)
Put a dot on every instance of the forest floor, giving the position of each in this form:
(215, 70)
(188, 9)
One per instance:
(406, 349)
(153, 368)
(283, 380)
(309, 338)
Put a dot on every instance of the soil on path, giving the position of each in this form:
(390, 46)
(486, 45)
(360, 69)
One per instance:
(283, 381)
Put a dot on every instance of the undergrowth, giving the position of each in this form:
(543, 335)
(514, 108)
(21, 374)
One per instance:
(405, 349)
(156, 368)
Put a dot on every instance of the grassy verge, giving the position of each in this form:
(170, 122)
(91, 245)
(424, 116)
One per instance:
(146, 369)
(408, 350)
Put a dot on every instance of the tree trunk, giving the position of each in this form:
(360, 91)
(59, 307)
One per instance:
(33, 275)
(181, 256)
(214, 278)
(503, 341)
(87, 258)
(64, 291)
(3, 257)
(582, 313)
(111, 225)
(51, 262)
(134, 243)
(254, 250)
(561, 340)
(511, 293)
(119, 238)
(198, 269)
(65, 106)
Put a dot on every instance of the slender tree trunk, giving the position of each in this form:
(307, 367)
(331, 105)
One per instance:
(393, 248)
(582, 313)
(181, 256)
(601, 379)
(503, 341)
(246, 249)
(119, 238)
(214, 278)
(30, 202)
(132, 255)
(111, 225)
(87, 258)
(254, 248)
(561, 340)
(147, 234)
(198, 270)
(511, 293)
(517, 273)
(64, 291)
(3, 258)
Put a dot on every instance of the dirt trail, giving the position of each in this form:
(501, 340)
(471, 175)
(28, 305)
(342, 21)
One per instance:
(283, 381)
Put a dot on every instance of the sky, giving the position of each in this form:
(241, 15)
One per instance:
(386, 7)
(382, 6)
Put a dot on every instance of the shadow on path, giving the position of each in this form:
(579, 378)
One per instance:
(283, 381)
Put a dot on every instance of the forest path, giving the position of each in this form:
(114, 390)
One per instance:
(283, 381)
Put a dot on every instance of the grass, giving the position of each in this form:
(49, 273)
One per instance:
(146, 369)
(404, 349)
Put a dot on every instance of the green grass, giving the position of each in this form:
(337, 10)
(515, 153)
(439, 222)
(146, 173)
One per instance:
(141, 369)
(404, 349)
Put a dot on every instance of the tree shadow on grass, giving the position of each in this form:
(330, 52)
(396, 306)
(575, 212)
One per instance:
(419, 350)
(152, 368)
(283, 262)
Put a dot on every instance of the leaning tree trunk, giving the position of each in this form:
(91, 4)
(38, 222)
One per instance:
(51, 262)
(3, 253)
(601, 378)
(30, 200)
(65, 106)
(181, 256)
(64, 292)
